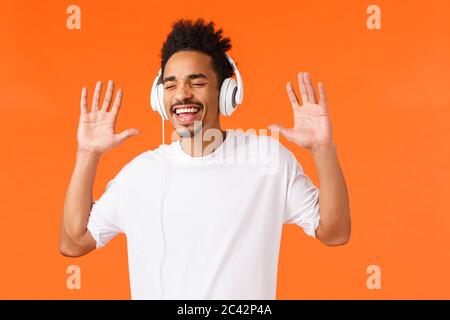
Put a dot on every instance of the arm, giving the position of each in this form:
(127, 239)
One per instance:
(95, 137)
(312, 130)
(75, 239)
(334, 226)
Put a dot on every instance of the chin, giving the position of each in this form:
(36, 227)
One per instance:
(189, 132)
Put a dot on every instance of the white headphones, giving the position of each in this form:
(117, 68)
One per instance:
(231, 93)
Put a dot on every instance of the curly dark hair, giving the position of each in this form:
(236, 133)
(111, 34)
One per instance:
(188, 35)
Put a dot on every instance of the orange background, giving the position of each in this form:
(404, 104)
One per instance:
(389, 101)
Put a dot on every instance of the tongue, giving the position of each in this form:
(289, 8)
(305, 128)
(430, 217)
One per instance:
(186, 115)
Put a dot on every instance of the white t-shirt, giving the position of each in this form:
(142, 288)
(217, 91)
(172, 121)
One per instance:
(217, 232)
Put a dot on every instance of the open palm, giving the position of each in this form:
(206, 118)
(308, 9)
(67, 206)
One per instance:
(96, 128)
(312, 126)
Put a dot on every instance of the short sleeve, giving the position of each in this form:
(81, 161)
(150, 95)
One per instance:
(104, 220)
(302, 206)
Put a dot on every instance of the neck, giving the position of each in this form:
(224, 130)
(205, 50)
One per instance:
(204, 142)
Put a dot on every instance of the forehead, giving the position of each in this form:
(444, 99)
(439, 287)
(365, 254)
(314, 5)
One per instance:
(184, 63)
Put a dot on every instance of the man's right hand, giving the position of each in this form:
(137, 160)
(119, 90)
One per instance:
(96, 128)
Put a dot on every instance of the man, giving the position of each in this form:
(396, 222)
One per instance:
(198, 228)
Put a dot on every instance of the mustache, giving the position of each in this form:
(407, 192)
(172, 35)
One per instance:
(180, 103)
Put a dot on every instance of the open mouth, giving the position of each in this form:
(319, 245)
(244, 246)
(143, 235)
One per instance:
(186, 114)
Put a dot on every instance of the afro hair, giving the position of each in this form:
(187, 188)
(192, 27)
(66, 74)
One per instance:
(188, 35)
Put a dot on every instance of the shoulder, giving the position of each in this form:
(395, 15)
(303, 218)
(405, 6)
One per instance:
(267, 145)
(145, 160)
(265, 150)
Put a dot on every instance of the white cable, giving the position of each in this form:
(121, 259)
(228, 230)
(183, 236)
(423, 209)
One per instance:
(162, 127)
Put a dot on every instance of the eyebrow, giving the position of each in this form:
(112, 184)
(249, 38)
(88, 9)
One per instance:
(190, 77)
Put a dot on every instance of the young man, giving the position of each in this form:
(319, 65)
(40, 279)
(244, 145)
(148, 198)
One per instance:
(202, 220)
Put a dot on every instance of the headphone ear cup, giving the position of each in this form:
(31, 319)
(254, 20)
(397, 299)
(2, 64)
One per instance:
(227, 102)
(160, 101)
(154, 96)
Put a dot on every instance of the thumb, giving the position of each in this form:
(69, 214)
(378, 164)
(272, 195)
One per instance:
(127, 133)
(288, 133)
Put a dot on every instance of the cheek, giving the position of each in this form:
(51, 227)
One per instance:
(213, 103)
(166, 101)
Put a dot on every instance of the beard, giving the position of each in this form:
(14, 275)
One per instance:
(185, 132)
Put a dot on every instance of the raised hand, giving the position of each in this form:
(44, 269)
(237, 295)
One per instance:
(96, 128)
(312, 126)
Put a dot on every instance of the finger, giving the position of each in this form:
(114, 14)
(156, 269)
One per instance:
(125, 134)
(83, 100)
(117, 102)
(292, 96)
(323, 96)
(108, 95)
(302, 86)
(309, 88)
(274, 127)
(288, 133)
(96, 98)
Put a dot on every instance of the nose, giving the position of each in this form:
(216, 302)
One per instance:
(183, 92)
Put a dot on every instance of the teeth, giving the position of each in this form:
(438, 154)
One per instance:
(186, 110)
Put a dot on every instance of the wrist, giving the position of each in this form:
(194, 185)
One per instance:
(88, 155)
(323, 149)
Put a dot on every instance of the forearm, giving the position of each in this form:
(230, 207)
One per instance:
(78, 201)
(335, 222)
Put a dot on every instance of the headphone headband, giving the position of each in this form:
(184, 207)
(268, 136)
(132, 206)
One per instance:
(240, 87)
